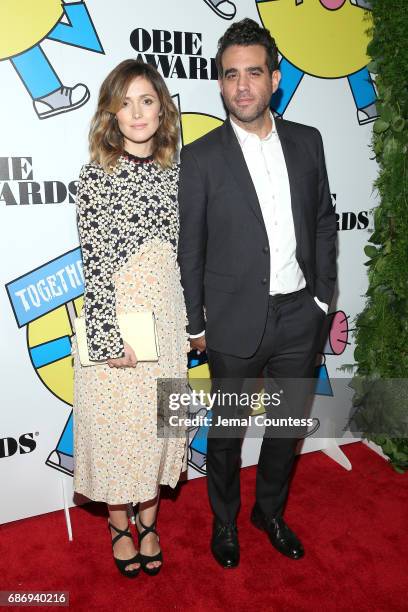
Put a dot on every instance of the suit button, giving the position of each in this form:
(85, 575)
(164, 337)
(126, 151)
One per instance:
(265, 249)
(264, 281)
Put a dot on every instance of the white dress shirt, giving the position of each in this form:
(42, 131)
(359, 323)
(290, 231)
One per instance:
(267, 167)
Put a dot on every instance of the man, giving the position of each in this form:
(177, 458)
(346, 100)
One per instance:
(257, 257)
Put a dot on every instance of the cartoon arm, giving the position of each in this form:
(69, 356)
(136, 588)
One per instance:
(80, 32)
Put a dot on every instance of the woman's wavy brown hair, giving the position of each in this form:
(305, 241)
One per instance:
(106, 142)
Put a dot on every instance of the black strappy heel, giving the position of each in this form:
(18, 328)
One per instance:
(122, 564)
(145, 559)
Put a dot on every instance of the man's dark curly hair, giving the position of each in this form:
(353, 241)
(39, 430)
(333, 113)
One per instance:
(247, 32)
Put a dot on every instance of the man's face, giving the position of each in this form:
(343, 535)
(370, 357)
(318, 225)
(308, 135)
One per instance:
(246, 84)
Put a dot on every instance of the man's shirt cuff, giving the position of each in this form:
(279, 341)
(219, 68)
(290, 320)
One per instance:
(193, 336)
(322, 305)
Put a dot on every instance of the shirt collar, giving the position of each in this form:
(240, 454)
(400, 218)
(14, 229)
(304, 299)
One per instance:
(243, 135)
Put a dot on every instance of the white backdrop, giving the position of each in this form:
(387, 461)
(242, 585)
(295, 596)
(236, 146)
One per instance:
(40, 159)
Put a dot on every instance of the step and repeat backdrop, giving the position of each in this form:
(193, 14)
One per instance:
(53, 58)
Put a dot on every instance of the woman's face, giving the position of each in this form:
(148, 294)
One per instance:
(139, 117)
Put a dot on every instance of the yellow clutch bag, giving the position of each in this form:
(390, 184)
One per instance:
(138, 329)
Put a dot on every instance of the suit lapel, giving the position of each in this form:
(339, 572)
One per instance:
(236, 162)
(235, 159)
(294, 163)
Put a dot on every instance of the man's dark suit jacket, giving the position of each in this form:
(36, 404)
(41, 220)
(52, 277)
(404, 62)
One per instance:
(224, 254)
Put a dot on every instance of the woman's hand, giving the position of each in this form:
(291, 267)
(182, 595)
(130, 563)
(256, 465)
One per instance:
(128, 361)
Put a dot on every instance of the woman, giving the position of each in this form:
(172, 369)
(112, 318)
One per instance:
(128, 228)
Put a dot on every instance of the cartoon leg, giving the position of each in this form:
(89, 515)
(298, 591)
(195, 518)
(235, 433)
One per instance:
(291, 77)
(362, 88)
(198, 448)
(223, 8)
(323, 384)
(80, 32)
(36, 72)
(62, 457)
(50, 97)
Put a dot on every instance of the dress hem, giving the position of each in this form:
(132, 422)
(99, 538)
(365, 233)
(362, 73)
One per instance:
(98, 499)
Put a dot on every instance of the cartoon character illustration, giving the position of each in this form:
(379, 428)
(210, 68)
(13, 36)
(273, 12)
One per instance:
(337, 340)
(199, 379)
(48, 299)
(223, 8)
(323, 38)
(24, 24)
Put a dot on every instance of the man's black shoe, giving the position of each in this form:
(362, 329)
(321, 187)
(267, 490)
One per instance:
(281, 537)
(224, 544)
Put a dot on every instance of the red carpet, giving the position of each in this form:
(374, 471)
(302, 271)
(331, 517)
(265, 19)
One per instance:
(354, 526)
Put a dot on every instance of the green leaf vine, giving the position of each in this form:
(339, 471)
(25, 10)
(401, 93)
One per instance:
(381, 335)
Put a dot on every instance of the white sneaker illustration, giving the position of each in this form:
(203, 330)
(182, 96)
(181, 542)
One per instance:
(367, 114)
(197, 460)
(61, 100)
(223, 8)
(365, 4)
(60, 461)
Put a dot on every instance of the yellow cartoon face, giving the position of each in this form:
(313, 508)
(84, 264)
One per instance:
(195, 125)
(55, 372)
(23, 23)
(324, 38)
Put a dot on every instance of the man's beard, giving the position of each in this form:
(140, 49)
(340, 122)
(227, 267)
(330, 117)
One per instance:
(249, 115)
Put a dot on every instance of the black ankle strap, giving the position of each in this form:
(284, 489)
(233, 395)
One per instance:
(151, 529)
(120, 532)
